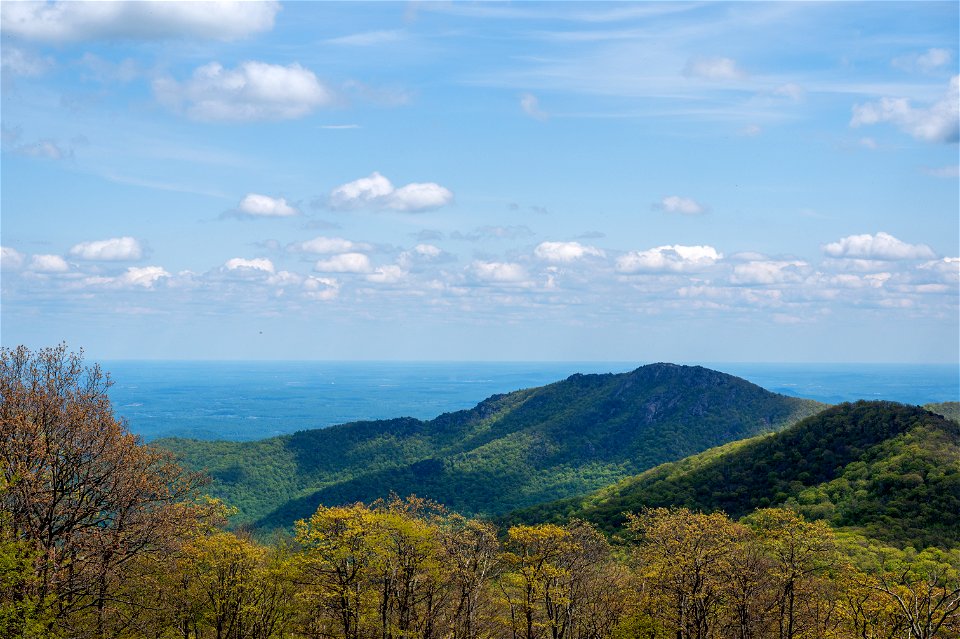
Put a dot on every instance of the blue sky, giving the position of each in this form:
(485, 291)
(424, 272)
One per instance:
(482, 181)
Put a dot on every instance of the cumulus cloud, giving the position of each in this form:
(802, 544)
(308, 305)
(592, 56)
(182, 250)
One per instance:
(378, 193)
(427, 250)
(531, 106)
(676, 258)
(256, 264)
(59, 22)
(116, 249)
(681, 205)
(713, 69)
(940, 122)
(252, 91)
(768, 272)
(323, 245)
(499, 272)
(930, 60)
(321, 288)
(49, 264)
(387, 274)
(565, 251)
(145, 276)
(10, 258)
(881, 246)
(257, 205)
(344, 263)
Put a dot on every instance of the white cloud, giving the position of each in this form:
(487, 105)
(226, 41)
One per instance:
(565, 251)
(950, 171)
(10, 258)
(377, 192)
(75, 21)
(847, 280)
(256, 264)
(323, 245)
(946, 270)
(881, 246)
(369, 38)
(321, 288)
(114, 249)
(284, 278)
(501, 272)
(344, 263)
(751, 130)
(930, 60)
(256, 205)
(531, 106)
(713, 69)
(938, 123)
(49, 264)
(20, 62)
(676, 258)
(252, 91)
(682, 205)
(790, 90)
(428, 250)
(145, 276)
(420, 197)
(387, 274)
(43, 149)
(768, 272)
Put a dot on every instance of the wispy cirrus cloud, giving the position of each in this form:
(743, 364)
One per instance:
(706, 68)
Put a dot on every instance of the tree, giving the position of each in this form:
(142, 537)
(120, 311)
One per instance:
(685, 559)
(802, 553)
(82, 493)
(924, 589)
(471, 554)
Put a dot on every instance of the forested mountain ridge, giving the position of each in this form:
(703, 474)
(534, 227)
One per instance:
(884, 469)
(510, 451)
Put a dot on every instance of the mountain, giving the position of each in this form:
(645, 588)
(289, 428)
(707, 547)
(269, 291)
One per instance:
(887, 470)
(509, 451)
(950, 410)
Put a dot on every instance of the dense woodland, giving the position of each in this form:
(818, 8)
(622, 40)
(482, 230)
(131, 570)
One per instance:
(101, 536)
(510, 451)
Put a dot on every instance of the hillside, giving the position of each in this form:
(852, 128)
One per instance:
(950, 410)
(887, 470)
(510, 451)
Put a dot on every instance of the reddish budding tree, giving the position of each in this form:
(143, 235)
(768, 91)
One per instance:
(80, 490)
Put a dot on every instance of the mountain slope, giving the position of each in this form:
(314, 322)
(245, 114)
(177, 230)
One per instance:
(889, 470)
(509, 451)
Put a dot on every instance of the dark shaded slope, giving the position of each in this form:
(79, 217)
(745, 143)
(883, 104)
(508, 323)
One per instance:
(890, 470)
(510, 451)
